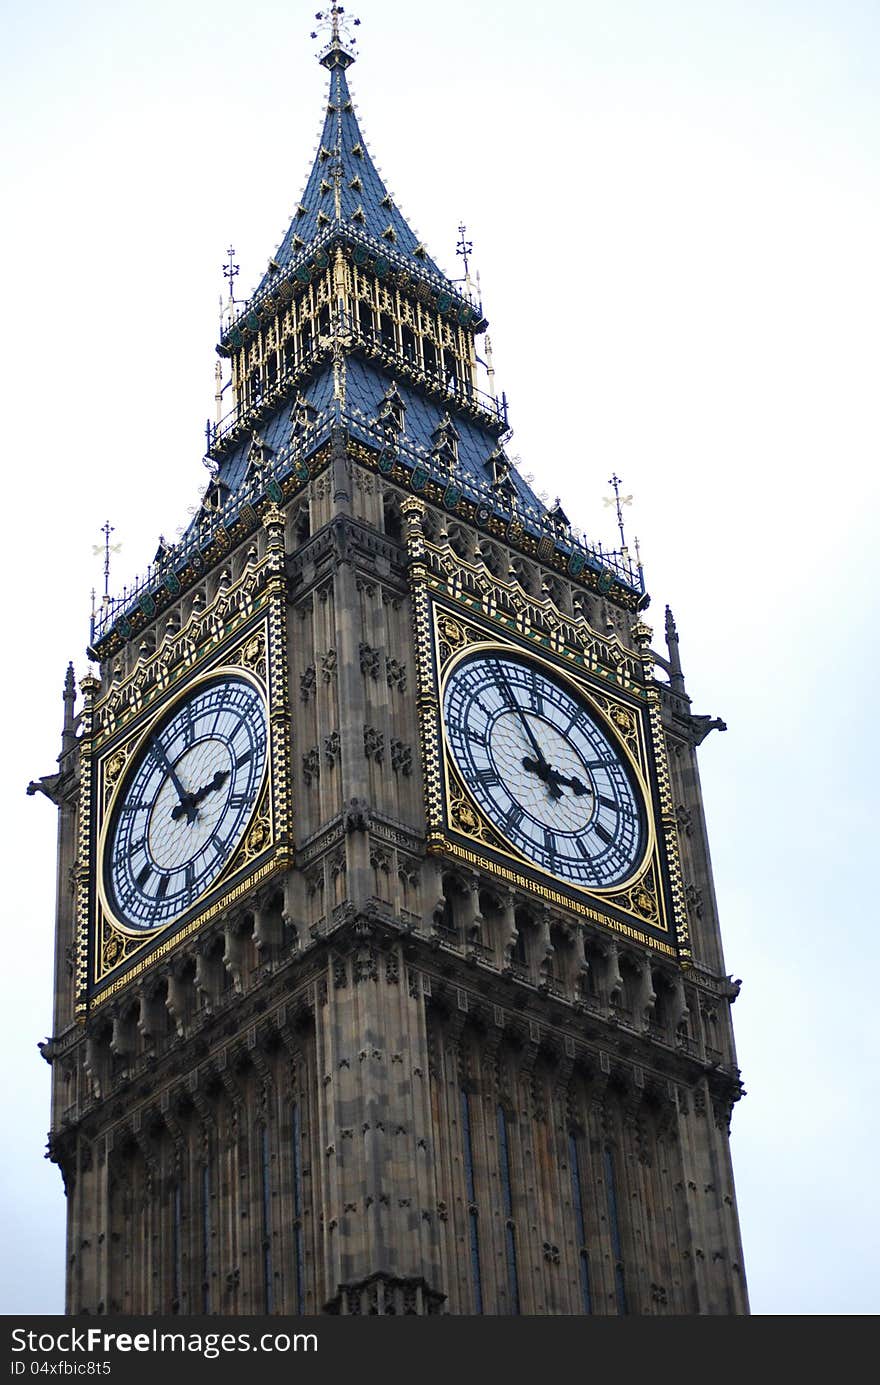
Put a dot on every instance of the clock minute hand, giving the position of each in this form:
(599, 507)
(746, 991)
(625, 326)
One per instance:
(185, 798)
(542, 768)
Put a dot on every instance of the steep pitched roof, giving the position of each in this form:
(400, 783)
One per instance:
(345, 188)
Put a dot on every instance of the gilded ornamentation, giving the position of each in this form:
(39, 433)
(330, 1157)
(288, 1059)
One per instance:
(640, 899)
(465, 818)
(181, 650)
(253, 655)
(257, 838)
(451, 632)
(252, 650)
(623, 720)
(537, 618)
(114, 767)
(112, 950)
(643, 901)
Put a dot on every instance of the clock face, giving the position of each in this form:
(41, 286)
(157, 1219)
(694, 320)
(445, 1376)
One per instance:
(185, 803)
(543, 771)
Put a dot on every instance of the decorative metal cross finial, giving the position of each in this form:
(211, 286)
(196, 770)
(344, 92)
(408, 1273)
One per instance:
(230, 272)
(618, 502)
(107, 548)
(334, 21)
(464, 247)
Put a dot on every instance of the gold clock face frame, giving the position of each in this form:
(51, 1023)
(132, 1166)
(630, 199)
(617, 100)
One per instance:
(645, 904)
(217, 647)
(540, 762)
(181, 809)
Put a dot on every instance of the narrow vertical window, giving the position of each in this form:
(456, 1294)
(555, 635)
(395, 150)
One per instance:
(577, 1202)
(267, 1219)
(611, 1191)
(472, 1202)
(206, 1238)
(509, 1228)
(298, 1210)
(176, 1250)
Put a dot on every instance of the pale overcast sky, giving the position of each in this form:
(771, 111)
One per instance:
(675, 214)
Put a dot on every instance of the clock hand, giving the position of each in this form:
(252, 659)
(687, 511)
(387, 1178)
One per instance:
(544, 773)
(539, 765)
(573, 783)
(541, 768)
(194, 799)
(159, 751)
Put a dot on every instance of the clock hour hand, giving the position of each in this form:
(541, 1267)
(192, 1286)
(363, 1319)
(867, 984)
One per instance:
(554, 777)
(191, 801)
(185, 804)
(547, 775)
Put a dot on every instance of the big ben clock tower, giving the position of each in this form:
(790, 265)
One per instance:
(389, 976)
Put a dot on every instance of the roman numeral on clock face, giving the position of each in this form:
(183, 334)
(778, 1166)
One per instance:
(488, 778)
(513, 817)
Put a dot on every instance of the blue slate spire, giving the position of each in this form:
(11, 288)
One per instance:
(355, 334)
(344, 189)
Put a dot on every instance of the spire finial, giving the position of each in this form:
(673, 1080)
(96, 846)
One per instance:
(618, 502)
(230, 272)
(106, 548)
(464, 248)
(338, 50)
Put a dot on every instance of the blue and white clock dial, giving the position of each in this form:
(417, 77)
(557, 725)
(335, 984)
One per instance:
(186, 802)
(537, 762)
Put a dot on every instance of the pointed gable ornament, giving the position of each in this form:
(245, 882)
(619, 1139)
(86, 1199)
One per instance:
(446, 440)
(215, 496)
(391, 411)
(302, 416)
(498, 467)
(163, 552)
(259, 455)
(558, 517)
